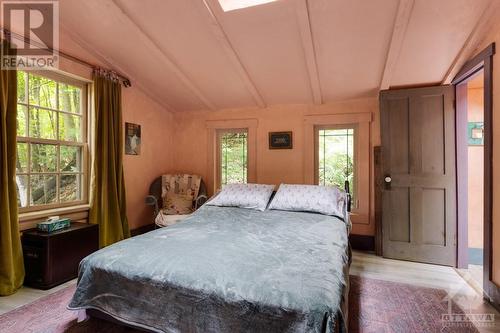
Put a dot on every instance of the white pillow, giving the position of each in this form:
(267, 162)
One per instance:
(327, 200)
(251, 196)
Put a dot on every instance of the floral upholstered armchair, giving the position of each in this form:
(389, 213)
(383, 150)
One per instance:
(174, 197)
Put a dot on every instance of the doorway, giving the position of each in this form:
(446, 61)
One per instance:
(471, 111)
(470, 151)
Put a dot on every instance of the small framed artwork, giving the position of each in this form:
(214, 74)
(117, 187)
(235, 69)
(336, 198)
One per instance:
(280, 140)
(132, 139)
(475, 133)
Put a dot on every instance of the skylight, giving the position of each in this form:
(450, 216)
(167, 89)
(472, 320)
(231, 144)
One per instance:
(228, 5)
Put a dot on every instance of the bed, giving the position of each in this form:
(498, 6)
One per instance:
(225, 269)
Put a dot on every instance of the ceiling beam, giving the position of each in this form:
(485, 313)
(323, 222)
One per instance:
(166, 58)
(109, 62)
(230, 51)
(403, 16)
(304, 21)
(485, 21)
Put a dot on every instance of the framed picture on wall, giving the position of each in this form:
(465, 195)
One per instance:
(280, 140)
(132, 139)
(475, 131)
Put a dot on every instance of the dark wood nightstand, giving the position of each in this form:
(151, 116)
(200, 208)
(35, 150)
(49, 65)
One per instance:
(52, 259)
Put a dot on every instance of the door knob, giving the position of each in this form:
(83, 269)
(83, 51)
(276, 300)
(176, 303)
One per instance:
(388, 179)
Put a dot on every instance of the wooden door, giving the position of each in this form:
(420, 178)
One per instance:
(418, 163)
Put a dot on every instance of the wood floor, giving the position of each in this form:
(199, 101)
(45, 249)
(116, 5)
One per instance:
(26, 295)
(363, 264)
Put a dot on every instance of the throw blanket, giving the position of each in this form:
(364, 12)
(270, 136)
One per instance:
(224, 270)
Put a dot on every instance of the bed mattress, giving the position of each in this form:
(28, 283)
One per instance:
(225, 270)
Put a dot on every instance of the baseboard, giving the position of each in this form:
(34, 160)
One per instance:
(362, 242)
(142, 230)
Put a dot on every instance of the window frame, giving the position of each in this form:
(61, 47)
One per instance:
(84, 144)
(353, 187)
(219, 134)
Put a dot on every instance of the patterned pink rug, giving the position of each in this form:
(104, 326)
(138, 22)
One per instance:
(374, 306)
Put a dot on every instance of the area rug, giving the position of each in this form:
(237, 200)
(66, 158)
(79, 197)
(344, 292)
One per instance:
(383, 306)
(374, 306)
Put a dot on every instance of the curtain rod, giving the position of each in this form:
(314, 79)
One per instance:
(124, 80)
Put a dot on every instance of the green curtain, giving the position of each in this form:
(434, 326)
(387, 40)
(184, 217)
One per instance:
(11, 258)
(108, 206)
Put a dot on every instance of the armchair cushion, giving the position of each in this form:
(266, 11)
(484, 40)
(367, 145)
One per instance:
(180, 184)
(163, 220)
(177, 204)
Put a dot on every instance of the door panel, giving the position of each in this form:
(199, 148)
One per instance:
(397, 121)
(418, 200)
(434, 218)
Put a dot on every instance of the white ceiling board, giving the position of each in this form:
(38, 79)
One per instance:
(97, 23)
(352, 40)
(436, 33)
(194, 48)
(267, 39)
(189, 57)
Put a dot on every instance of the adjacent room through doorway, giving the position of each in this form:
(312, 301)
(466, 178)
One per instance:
(475, 177)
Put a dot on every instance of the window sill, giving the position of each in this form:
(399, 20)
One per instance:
(29, 220)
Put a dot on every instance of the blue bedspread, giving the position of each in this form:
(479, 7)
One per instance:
(224, 270)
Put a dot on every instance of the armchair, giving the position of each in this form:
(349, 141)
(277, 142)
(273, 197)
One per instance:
(155, 200)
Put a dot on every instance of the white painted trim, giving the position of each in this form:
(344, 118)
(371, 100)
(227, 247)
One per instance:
(304, 22)
(230, 51)
(113, 65)
(212, 127)
(162, 54)
(403, 16)
(362, 121)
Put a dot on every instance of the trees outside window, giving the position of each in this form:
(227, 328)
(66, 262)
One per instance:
(336, 157)
(233, 157)
(51, 142)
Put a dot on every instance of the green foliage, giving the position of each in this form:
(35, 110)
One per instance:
(336, 157)
(48, 110)
(234, 158)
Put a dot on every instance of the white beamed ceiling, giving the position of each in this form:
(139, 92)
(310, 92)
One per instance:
(191, 55)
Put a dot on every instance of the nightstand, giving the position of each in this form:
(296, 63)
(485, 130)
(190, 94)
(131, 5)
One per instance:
(52, 259)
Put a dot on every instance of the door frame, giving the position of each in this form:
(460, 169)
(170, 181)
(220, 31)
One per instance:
(482, 61)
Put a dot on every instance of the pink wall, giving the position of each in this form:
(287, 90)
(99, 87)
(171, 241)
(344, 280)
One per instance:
(475, 102)
(155, 158)
(273, 166)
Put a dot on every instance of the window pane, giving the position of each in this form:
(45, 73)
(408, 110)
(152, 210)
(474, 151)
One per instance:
(42, 91)
(42, 124)
(22, 190)
(22, 158)
(43, 189)
(43, 158)
(22, 115)
(21, 86)
(70, 188)
(336, 157)
(69, 98)
(71, 159)
(233, 158)
(69, 128)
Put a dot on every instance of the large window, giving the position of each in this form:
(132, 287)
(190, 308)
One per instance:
(336, 157)
(51, 168)
(233, 156)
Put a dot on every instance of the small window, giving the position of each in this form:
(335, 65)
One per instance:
(336, 161)
(51, 162)
(233, 157)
